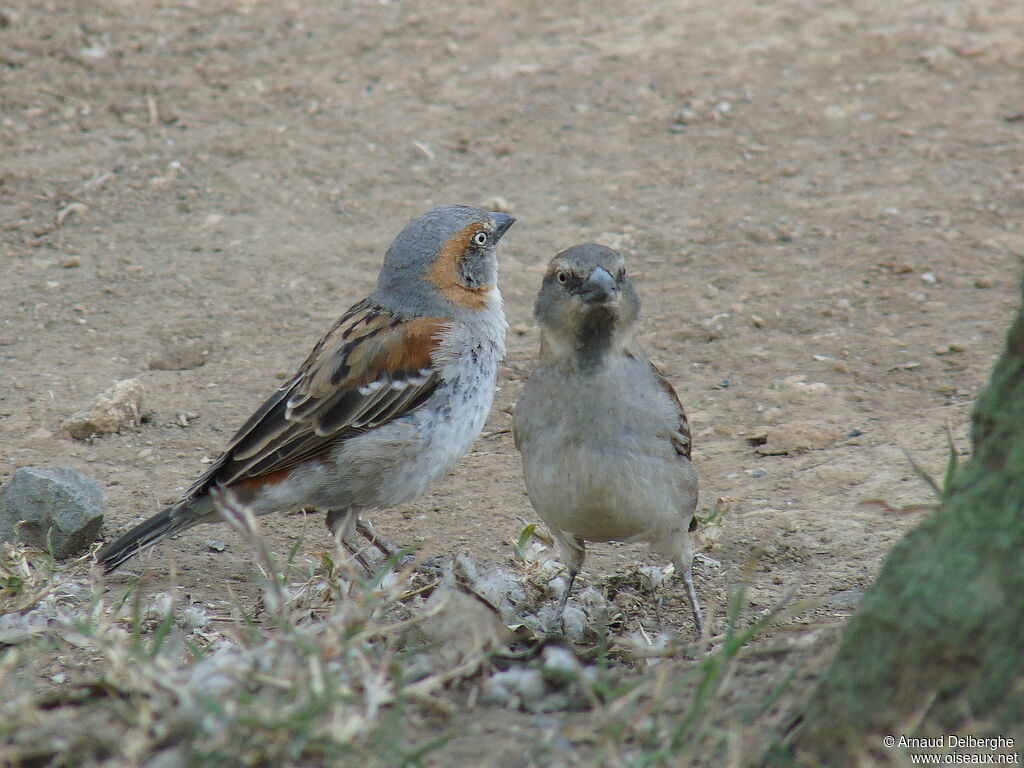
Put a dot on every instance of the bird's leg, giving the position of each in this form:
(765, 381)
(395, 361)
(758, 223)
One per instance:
(571, 551)
(357, 554)
(340, 523)
(680, 550)
(366, 531)
(691, 595)
(559, 615)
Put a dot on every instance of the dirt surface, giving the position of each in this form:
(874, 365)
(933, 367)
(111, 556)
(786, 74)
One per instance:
(821, 204)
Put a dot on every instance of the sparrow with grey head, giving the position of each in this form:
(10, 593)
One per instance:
(389, 399)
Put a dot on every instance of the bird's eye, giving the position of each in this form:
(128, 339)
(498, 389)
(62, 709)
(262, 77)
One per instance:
(561, 277)
(480, 238)
(621, 274)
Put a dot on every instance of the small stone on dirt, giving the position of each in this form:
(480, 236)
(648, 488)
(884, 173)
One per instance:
(651, 577)
(515, 687)
(499, 204)
(180, 352)
(120, 407)
(794, 437)
(70, 210)
(56, 507)
(797, 384)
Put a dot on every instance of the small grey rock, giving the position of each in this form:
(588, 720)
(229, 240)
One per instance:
(51, 501)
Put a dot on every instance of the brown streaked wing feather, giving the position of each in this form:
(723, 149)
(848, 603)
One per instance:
(368, 369)
(681, 440)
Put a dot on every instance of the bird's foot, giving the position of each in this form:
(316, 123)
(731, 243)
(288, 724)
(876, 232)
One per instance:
(359, 556)
(366, 530)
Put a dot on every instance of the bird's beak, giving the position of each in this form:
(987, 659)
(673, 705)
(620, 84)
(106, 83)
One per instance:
(502, 221)
(599, 288)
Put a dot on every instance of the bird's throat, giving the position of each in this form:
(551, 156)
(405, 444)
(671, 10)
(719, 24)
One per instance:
(594, 339)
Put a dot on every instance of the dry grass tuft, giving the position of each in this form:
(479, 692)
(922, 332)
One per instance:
(324, 673)
(334, 667)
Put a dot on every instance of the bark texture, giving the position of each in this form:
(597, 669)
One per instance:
(937, 646)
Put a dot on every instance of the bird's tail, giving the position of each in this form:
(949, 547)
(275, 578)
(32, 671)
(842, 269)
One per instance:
(172, 520)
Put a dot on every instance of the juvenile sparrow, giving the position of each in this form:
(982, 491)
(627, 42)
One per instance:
(604, 440)
(388, 400)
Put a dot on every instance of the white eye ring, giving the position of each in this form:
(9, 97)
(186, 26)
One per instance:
(480, 238)
(561, 277)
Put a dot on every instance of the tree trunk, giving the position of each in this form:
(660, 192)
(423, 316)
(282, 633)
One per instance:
(937, 646)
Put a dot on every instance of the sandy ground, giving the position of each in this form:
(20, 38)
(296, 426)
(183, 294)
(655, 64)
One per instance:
(821, 204)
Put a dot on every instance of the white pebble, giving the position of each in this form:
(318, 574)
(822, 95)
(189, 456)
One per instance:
(522, 683)
(651, 577)
(555, 587)
(575, 621)
(497, 203)
(592, 600)
(559, 665)
(195, 616)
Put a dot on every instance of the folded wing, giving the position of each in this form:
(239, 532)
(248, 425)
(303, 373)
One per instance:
(369, 369)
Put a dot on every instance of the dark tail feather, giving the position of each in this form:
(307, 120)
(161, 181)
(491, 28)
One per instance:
(147, 533)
